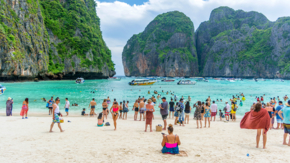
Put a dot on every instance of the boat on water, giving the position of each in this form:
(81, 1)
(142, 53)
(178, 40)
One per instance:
(114, 78)
(168, 80)
(153, 79)
(205, 80)
(261, 79)
(80, 80)
(141, 82)
(2, 89)
(186, 82)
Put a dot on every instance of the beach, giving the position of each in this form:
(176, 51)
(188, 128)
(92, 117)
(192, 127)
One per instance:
(28, 140)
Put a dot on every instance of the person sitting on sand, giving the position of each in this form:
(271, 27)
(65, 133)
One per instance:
(257, 119)
(286, 121)
(170, 142)
(100, 120)
(84, 112)
(115, 112)
(55, 115)
(149, 115)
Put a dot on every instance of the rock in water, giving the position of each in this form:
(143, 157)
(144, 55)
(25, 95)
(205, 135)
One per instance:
(165, 48)
(243, 44)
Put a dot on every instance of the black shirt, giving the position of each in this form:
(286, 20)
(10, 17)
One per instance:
(83, 112)
(171, 103)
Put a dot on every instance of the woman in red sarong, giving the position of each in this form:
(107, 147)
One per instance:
(257, 119)
(149, 115)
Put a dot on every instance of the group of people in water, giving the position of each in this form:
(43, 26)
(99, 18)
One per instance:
(261, 115)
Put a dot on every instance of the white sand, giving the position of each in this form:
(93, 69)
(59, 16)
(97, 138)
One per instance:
(82, 141)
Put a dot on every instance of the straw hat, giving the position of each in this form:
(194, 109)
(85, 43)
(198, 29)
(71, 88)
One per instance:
(9, 98)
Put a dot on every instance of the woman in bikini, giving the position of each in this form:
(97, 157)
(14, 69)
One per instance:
(170, 142)
(135, 107)
(207, 115)
(24, 109)
(115, 112)
(105, 108)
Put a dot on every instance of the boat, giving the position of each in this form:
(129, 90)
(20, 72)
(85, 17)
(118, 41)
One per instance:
(2, 89)
(186, 82)
(168, 80)
(141, 82)
(153, 79)
(80, 80)
(205, 80)
(261, 79)
(231, 80)
(114, 78)
(199, 79)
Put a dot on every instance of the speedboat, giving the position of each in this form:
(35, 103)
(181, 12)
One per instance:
(141, 82)
(114, 78)
(186, 82)
(2, 89)
(199, 79)
(152, 79)
(168, 80)
(80, 80)
(205, 80)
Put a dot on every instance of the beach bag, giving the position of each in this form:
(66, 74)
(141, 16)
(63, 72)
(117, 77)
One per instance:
(178, 108)
(47, 104)
(107, 124)
(61, 120)
(235, 109)
(125, 109)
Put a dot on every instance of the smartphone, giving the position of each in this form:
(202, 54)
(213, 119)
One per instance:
(163, 133)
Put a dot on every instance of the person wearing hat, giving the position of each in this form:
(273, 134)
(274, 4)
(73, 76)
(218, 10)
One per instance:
(164, 111)
(286, 121)
(9, 103)
(181, 115)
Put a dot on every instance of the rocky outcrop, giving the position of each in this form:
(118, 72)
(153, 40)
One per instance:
(165, 48)
(243, 44)
(230, 44)
(45, 39)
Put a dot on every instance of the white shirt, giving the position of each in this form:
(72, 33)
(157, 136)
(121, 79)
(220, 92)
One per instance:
(213, 108)
(56, 109)
(228, 108)
(67, 104)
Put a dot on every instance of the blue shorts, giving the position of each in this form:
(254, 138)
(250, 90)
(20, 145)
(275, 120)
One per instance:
(171, 109)
(66, 109)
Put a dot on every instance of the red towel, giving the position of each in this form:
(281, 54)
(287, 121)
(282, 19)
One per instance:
(256, 120)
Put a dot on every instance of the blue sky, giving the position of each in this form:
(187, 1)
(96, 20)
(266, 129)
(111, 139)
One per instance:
(130, 2)
(120, 20)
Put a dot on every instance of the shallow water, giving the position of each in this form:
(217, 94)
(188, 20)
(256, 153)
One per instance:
(81, 93)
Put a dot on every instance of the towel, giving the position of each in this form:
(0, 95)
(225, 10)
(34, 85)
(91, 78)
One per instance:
(256, 120)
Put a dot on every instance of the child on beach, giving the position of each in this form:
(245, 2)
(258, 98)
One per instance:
(221, 115)
(84, 112)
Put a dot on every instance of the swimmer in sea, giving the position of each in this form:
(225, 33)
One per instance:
(108, 100)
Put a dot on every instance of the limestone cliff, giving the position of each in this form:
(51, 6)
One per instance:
(52, 39)
(243, 44)
(165, 48)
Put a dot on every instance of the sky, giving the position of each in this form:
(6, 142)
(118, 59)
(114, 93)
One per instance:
(120, 20)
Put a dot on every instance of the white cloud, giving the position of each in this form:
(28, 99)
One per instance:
(119, 21)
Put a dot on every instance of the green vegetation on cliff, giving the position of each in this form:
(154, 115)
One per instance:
(76, 24)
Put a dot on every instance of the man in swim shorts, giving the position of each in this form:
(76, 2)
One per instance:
(50, 102)
(142, 109)
(93, 105)
(164, 111)
(213, 109)
(286, 121)
(66, 106)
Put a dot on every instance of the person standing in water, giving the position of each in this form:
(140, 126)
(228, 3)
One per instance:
(164, 111)
(66, 106)
(55, 115)
(50, 102)
(108, 100)
(93, 106)
(115, 112)
(105, 108)
(149, 115)
(208, 100)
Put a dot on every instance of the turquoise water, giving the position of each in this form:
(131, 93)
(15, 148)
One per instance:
(80, 93)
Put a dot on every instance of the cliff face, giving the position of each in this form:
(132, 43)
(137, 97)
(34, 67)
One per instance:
(24, 42)
(165, 48)
(52, 39)
(230, 44)
(243, 44)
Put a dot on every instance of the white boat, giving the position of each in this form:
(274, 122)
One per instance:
(231, 80)
(141, 82)
(261, 79)
(2, 89)
(153, 79)
(186, 82)
(114, 78)
(80, 80)
(205, 80)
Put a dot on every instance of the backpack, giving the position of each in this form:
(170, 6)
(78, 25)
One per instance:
(178, 108)
(107, 124)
